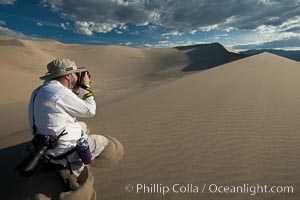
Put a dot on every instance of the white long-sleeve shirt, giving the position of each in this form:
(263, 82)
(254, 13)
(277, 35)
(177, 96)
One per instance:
(55, 109)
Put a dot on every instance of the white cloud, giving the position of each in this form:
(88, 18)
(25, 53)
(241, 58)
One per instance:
(149, 45)
(103, 27)
(63, 25)
(272, 33)
(118, 32)
(126, 44)
(291, 24)
(173, 33)
(123, 27)
(55, 5)
(7, 2)
(264, 2)
(83, 28)
(209, 28)
(169, 44)
(39, 24)
(87, 28)
(286, 43)
(11, 33)
(193, 31)
(2, 22)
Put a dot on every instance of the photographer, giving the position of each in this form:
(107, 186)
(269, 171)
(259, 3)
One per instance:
(53, 108)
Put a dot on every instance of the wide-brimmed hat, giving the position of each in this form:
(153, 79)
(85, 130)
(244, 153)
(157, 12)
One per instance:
(60, 67)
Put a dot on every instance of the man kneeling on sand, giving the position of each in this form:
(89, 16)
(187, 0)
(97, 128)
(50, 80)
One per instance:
(53, 108)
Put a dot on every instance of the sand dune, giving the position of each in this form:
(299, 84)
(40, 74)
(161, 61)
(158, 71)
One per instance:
(116, 71)
(234, 124)
(231, 124)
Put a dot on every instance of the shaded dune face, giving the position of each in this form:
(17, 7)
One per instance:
(206, 56)
(189, 115)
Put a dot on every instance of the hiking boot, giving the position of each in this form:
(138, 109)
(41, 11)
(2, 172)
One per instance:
(70, 180)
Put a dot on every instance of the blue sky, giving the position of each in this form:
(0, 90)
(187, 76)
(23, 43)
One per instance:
(241, 24)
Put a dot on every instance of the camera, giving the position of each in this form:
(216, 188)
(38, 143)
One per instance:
(41, 144)
(80, 76)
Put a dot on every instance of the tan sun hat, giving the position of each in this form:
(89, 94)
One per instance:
(60, 67)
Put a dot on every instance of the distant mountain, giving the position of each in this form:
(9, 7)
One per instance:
(294, 55)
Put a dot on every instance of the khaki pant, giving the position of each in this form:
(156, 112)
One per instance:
(96, 143)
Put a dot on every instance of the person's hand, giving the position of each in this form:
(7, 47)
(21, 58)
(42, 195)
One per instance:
(85, 78)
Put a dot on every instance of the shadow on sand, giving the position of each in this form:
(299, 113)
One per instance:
(47, 185)
(14, 186)
(206, 56)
